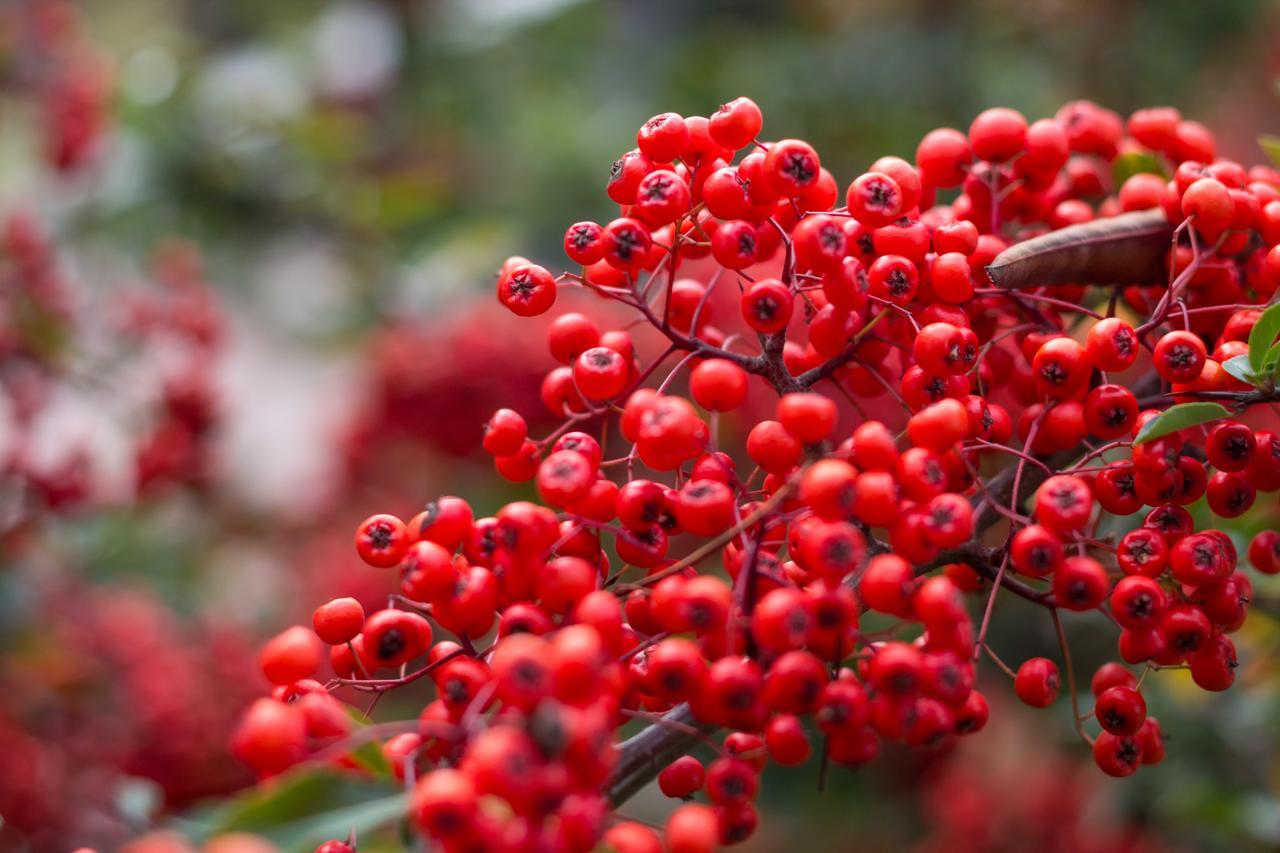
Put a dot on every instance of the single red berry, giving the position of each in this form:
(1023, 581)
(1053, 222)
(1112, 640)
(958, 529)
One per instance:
(584, 243)
(291, 655)
(766, 306)
(1179, 357)
(808, 416)
(718, 385)
(338, 621)
(1117, 755)
(791, 166)
(735, 124)
(875, 199)
(527, 290)
(1037, 682)
(998, 134)
(504, 433)
(382, 540)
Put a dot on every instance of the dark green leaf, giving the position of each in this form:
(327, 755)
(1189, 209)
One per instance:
(1263, 336)
(305, 807)
(1240, 368)
(1271, 147)
(1180, 417)
(1135, 162)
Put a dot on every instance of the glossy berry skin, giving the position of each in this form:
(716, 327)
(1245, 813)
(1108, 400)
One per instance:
(718, 385)
(682, 778)
(339, 621)
(791, 166)
(1117, 755)
(663, 138)
(393, 637)
(504, 433)
(1037, 682)
(998, 134)
(382, 540)
(766, 306)
(527, 290)
(1112, 345)
(1120, 710)
(1230, 447)
(292, 655)
(1063, 504)
(1179, 356)
(736, 123)
(584, 243)
(875, 199)
(335, 846)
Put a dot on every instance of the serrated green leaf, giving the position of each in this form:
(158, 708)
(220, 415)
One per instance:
(1180, 417)
(1240, 368)
(1271, 147)
(1263, 336)
(304, 808)
(1135, 162)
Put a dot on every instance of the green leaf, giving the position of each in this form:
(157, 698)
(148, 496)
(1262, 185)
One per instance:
(1271, 147)
(1180, 417)
(1271, 361)
(304, 808)
(370, 756)
(1240, 368)
(1263, 336)
(1135, 162)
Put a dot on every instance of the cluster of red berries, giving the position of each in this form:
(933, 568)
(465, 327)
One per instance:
(127, 689)
(918, 407)
(50, 58)
(45, 334)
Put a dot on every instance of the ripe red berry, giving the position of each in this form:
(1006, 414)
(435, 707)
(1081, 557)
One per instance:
(943, 157)
(809, 417)
(527, 290)
(338, 621)
(718, 385)
(584, 243)
(1179, 357)
(382, 540)
(875, 199)
(663, 138)
(1063, 503)
(504, 433)
(1037, 682)
(1112, 345)
(291, 655)
(791, 166)
(736, 123)
(998, 134)
(1117, 755)
(766, 306)
(393, 637)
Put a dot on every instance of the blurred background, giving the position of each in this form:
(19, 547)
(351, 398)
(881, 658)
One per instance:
(246, 259)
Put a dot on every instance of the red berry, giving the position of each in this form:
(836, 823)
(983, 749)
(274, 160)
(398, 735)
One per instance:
(338, 621)
(381, 541)
(1037, 682)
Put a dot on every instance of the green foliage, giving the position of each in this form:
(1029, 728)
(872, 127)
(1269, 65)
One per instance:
(1180, 417)
(1271, 147)
(1262, 339)
(1136, 162)
(304, 808)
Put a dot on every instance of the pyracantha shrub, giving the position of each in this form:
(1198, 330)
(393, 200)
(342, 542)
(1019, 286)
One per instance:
(784, 500)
